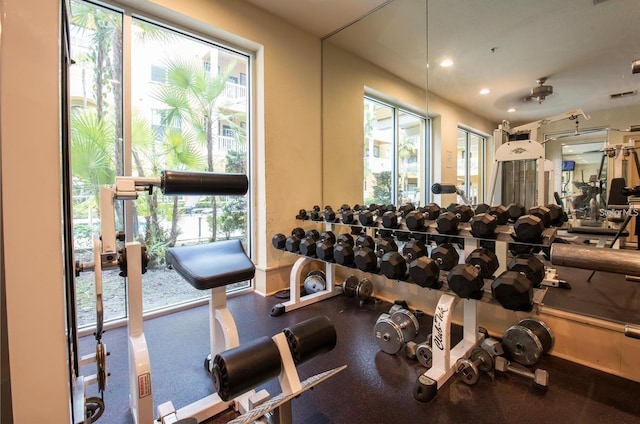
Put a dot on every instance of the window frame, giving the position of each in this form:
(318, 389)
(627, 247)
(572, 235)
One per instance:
(481, 163)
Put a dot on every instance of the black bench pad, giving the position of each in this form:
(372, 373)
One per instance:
(596, 231)
(206, 266)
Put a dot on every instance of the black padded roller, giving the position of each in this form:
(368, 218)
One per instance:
(438, 188)
(238, 370)
(203, 183)
(310, 338)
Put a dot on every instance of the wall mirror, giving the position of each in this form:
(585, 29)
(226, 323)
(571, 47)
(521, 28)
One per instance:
(542, 63)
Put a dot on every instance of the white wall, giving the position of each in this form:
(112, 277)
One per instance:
(286, 141)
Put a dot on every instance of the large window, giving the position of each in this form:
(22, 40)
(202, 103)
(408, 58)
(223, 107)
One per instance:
(184, 111)
(470, 165)
(395, 146)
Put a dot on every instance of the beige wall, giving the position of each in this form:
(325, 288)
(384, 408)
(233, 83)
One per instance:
(286, 170)
(344, 82)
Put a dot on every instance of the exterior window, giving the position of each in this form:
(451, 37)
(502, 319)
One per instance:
(173, 126)
(470, 164)
(395, 147)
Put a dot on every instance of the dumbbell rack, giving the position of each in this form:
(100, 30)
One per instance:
(296, 301)
(444, 355)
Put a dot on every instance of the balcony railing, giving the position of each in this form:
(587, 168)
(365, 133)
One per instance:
(226, 144)
(234, 92)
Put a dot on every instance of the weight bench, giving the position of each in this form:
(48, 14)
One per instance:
(211, 266)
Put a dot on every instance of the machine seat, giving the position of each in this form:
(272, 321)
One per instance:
(206, 266)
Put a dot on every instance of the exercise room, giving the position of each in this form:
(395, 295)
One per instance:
(363, 211)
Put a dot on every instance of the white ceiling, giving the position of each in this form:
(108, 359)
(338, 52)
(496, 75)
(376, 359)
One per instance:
(584, 47)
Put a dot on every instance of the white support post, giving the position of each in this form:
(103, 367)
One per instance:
(223, 333)
(140, 396)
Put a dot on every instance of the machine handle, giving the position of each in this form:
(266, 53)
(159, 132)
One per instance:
(438, 188)
(203, 183)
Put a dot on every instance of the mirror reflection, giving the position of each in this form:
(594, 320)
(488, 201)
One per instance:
(550, 73)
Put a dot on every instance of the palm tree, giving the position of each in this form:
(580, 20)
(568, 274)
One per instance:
(190, 97)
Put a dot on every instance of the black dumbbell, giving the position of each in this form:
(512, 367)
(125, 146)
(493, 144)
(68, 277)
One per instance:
(543, 213)
(484, 225)
(557, 214)
(448, 223)
(513, 290)
(481, 208)
(529, 265)
(330, 215)
(390, 217)
(368, 217)
(282, 242)
(466, 281)
(515, 211)
(320, 245)
(501, 214)
(313, 214)
(348, 214)
(368, 260)
(415, 220)
(344, 252)
(529, 228)
(463, 212)
(394, 265)
(446, 256)
(425, 272)
(485, 260)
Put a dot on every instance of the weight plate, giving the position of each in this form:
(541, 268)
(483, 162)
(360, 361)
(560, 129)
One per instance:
(407, 322)
(470, 373)
(388, 336)
(522, 345)
(484, 359)
(541, 330)
(424, 355)
(101, 365)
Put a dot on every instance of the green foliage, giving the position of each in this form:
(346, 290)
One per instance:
(233, 216)
(382, 189)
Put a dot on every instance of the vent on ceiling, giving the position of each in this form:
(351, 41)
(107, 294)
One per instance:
(595, 2)
(622, 95)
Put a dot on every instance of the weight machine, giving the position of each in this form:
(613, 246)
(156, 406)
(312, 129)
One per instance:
(524, 149)
(206, 267)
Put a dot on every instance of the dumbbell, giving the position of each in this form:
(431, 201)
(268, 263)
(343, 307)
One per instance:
(513, 290)
(529, 228)
(292, 243)
(368, 260)
(392, 330)
(448, 223)
(526, 341)
(425, 272)
(515, 211)
(394, 265)
(466, 281)
(354, 287)
(348, 214)
(463, 212)
(500, 212)
(529, 265)
(540, 377)
(479, 360)
(542, 212)
(484, 225)
(368, 217)
(318, 244)
(446, 256)
(557, 214)
(485, 260)
(390, 218)
(343, 252)
(415, 220)
(481, 208)
(420, 351)
(313, 214)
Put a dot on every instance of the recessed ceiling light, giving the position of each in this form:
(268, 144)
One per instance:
(485, 91)
(446, 63)
(511, 109)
